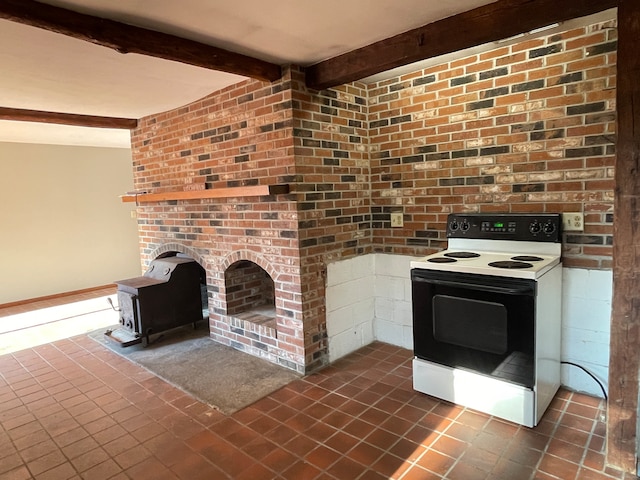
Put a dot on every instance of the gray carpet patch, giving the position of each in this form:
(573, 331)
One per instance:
(215, 374)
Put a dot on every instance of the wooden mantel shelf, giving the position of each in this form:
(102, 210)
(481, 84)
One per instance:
(252, 191)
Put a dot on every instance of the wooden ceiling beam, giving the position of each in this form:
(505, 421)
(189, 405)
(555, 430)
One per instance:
(131, 39)
(67, 119)
(489, 23)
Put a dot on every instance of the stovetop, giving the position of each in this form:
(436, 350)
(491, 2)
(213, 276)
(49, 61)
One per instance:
(506, 245)
(522, 267)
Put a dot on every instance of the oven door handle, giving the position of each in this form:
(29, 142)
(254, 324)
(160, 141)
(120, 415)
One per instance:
(474, 286)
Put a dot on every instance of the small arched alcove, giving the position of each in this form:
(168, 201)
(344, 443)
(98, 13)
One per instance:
(250, 294)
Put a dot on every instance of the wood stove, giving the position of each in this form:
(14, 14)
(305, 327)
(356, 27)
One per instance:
(165, 297)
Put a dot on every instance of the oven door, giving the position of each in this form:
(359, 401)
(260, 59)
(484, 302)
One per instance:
(480, 323)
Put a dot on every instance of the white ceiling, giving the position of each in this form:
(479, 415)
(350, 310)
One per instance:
(51, 72)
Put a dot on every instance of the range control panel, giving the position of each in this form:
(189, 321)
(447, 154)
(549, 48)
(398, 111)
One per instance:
(533, 227)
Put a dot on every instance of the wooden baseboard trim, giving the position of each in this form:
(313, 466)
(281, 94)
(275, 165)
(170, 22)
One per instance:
(57, 295)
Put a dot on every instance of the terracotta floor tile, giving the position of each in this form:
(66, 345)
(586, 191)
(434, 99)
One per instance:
(466, 471)
(46, 462)
(109, 434)
(300, 445)
(74, 410)
(450, 446)
(358, 428)
(495, 444)
(90, 459)
(419, 473)
(407, 450)
(20, 473)
(38, 450)
(322, 457)
(151, 469)
(64, 471)
(391, 466)
(341, 442)
(281, 434)
(194, 467)
(365, 454)
(80, 447)
(302, 469)
(10, 462)
(102, 471)
(346, 468)
(255, 472)
(167, 448)
(481, 459)
(320, 431)
(146, 432)
(436, 462)
(132, 456)
(558, 467)
(70, 436)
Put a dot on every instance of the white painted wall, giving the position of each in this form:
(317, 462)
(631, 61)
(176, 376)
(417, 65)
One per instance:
(62, 225)
(369, 298)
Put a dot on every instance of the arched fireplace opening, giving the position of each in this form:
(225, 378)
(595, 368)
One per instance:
(250, 294)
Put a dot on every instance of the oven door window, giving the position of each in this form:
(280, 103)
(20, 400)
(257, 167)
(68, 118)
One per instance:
(476, 322)
(469, 323)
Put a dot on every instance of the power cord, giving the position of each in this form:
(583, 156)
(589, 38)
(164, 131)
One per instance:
(591, 375)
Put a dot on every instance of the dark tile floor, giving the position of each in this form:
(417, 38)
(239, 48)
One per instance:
(73, 409)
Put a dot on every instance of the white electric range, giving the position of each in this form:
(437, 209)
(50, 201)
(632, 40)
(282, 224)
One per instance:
(487, 315)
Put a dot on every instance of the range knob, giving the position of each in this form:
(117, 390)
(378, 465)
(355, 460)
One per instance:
(535, 227)
(548, 228)
(465, 226)
(453, 225)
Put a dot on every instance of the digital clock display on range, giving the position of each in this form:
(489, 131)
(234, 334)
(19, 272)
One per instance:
(498, 225)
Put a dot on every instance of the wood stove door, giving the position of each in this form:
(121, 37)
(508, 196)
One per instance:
(129, 311)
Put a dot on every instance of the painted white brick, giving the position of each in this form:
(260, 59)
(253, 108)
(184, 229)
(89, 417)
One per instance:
(600, 286)
(339, 272)
(384, 308)
(363, 266)
(393, 265)
(402, 313)
(348, 292)
(574, 282)
(343, 344)
(390, 287)
(388, 332)
(340, 320)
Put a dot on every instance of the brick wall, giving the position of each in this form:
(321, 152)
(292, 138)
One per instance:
(522, 128)
(332, 165)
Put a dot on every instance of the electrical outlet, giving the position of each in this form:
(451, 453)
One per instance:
(397, 220)
(573, 222)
